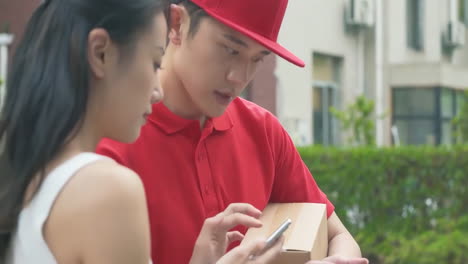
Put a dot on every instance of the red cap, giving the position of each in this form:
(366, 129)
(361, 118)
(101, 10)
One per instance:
(258, 19)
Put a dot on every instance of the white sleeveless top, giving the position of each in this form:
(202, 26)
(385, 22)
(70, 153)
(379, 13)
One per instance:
(28, 244)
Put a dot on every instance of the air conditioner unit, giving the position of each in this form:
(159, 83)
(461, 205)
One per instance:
(360, 13)
(455, 34)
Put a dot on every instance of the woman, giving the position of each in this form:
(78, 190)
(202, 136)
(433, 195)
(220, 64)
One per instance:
(87, 69)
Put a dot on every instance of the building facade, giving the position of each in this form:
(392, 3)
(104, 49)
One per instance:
(408, 56)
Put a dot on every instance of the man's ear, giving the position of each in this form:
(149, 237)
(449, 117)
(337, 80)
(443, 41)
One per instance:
(99, 43)
(179, 16)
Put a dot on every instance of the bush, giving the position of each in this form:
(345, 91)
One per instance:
(404, 205)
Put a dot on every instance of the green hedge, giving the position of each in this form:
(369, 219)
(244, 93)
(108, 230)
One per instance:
(404, 205)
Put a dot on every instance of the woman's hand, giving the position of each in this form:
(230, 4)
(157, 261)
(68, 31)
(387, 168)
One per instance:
(215, 237)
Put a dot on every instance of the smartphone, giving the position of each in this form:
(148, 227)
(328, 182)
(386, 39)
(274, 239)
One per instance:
(274, 237)
(277, 233)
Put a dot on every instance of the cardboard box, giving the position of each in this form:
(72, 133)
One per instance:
(305, 239)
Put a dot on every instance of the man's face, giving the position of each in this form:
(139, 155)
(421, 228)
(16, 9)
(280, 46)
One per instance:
(215, 65)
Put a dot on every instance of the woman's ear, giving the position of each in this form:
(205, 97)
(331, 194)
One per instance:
(99, 43)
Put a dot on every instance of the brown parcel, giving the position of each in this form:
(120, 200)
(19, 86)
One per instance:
(305, 239)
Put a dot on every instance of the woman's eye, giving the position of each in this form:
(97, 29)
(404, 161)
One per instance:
(156, 66)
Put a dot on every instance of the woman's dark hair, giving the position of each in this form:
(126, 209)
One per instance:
(48, 86)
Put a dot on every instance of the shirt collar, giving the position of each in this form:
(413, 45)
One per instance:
(171, 123)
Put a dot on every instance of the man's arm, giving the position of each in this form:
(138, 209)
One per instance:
(340, 241)
(294, 183)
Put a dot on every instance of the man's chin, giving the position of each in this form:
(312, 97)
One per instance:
(217, 113)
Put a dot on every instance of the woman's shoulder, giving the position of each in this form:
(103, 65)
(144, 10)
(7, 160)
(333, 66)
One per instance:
(101, 183)
(100, 207)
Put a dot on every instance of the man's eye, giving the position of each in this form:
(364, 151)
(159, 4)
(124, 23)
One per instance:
(231, 51)
(258, 60)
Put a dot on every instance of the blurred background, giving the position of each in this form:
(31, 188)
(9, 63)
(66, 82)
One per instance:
(379, 115)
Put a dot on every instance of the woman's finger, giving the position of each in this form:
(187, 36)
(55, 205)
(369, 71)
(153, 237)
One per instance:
(243, 253)
(243, 208)
(234, 236)
(235, 219)
(268, 255)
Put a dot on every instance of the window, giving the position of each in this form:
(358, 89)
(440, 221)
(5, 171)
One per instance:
(448, 112)
(416, 131)
(414, 102)
(463, 11)
(325, 95)
(5, 41)
(415, 24)
(424, 115)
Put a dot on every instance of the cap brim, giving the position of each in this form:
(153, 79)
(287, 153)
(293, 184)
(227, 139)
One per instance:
(269, 44)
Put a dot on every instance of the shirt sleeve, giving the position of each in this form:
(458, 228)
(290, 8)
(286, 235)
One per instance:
(293, 180)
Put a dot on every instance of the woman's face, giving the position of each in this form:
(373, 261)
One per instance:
(129, 84)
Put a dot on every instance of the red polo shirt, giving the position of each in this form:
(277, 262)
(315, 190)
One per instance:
(190, 173)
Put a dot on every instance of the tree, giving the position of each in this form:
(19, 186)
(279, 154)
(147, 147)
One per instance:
(358, 118)
(460, 122)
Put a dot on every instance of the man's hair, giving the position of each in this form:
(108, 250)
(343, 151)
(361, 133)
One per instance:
(195, 12)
